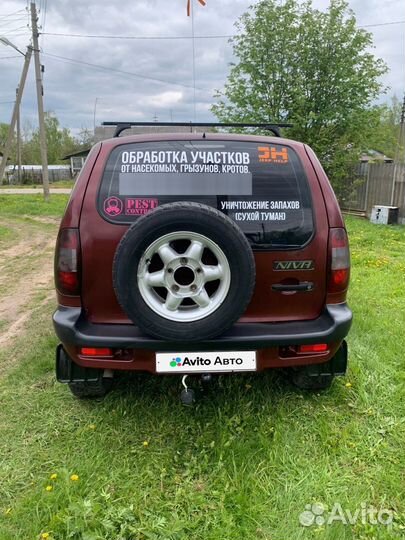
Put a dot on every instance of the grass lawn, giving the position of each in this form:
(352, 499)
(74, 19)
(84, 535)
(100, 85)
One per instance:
(242, 464)
(32, 205)
(52, 185)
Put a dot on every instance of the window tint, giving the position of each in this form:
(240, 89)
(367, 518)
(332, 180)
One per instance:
(262, 187)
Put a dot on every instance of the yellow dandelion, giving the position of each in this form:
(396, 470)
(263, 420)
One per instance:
(74, 477)
(44, 536)
(92, 426)
(53, 476)
(145, 443)
(348, 385)
(49, 488)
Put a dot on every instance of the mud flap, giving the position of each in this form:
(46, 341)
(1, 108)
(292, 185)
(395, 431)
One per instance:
(69, 372)
(336, 366)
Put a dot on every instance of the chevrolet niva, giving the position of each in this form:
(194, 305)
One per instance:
(205, 253)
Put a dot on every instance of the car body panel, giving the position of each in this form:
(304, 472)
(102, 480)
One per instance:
(97, 307)
(99, 240)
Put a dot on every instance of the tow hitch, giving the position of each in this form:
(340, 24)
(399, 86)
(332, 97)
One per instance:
(188, 396)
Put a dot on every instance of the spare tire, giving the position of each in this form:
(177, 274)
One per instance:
(184, 272)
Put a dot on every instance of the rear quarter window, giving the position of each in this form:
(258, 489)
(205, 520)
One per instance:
(262, 187)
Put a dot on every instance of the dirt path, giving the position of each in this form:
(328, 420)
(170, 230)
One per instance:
(26, 276)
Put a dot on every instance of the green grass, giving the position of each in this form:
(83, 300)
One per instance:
(5, 234)
(242, 464)
(53, 185)
(34, 205)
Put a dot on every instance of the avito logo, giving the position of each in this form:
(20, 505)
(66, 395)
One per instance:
(205, 361)
(176, 362)
(200, 361)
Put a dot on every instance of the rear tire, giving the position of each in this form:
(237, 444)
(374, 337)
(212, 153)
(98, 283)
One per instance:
(91, 389)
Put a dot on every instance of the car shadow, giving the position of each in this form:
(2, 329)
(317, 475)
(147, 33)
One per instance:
(269, 388)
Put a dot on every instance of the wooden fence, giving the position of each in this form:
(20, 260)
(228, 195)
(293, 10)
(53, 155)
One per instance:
(378, 184)
(33, 174)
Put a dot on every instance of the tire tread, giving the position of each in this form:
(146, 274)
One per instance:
(154, 327)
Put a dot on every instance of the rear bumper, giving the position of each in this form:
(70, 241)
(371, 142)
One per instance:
(331, 326)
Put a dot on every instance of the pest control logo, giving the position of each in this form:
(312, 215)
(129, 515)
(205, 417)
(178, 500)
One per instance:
(176, 362)
(270, 154)
(113, 206)
(139, 207)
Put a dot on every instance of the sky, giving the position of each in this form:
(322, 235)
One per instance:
(148, 79)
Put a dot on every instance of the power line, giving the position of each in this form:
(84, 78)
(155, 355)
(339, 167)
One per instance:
(381, 24)
(44, 22)
(18, 34)
(44, 17)
(134, 37)
(14, 29)
(11, 14)
(120, 71)
(7, 57)
(7, 22)
(215, 36)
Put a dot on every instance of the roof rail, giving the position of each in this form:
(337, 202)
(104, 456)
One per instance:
(269, 126)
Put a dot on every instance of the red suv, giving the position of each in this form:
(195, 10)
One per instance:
(201, 253)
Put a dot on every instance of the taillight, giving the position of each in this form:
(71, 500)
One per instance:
(314, 348)
(67, 262)
(339, 261)
(96, 351)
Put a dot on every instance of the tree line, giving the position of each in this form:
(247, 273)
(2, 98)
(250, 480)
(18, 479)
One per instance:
(60, 142)
(296, 64)
(315, 70)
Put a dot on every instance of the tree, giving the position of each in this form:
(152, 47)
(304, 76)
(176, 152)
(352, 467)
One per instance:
(84, 139)
(311, 68)
(385, 137)
(3, 139)
(59, 141)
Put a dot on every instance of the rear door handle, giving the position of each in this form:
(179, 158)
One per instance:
(302, 286)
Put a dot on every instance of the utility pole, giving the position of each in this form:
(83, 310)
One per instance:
(94, 117)
(41, 121)
(403, 112)
(399, 154)
(17, 103)
(18, 141)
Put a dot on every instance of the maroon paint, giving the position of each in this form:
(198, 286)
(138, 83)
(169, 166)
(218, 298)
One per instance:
(99, 240)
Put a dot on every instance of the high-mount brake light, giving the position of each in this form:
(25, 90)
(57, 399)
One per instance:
(67, 262)
(339, 260)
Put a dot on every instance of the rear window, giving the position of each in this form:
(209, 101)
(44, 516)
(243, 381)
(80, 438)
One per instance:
(262, 187)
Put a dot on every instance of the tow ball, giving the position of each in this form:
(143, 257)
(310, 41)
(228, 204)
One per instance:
(188, 395)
